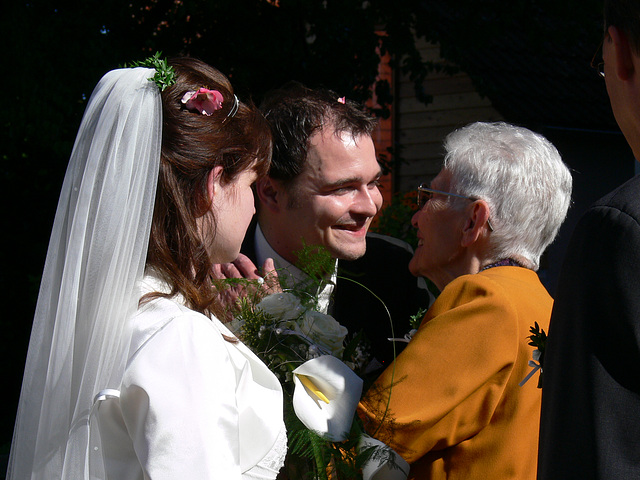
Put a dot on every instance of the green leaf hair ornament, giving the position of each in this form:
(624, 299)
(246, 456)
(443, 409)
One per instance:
(165, 75)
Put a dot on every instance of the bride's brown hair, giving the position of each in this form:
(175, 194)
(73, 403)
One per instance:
(192, 145)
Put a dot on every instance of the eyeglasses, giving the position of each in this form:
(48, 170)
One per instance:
(425, 194)
(598, 66)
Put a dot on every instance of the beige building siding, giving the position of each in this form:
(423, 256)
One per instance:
(419, 129)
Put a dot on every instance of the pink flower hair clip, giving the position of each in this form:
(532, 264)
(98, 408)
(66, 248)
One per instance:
(342, 100)
(204, 101)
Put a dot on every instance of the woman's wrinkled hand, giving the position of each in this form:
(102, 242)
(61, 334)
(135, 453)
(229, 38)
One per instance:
(242, 278)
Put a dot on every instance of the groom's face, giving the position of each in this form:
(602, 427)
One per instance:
(332, 202)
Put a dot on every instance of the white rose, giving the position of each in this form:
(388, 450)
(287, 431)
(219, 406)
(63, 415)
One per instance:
(323, 330)
(283, 306)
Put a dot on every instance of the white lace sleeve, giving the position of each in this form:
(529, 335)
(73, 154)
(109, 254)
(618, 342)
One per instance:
(268, 468)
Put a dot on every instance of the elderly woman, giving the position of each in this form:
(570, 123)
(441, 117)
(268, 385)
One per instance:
(451, 404)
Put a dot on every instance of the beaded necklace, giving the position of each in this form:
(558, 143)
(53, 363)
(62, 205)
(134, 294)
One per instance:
(506, 262)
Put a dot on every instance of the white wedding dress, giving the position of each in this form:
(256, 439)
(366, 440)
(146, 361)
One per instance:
(192, 404)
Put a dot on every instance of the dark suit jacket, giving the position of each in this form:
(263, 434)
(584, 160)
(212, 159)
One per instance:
(384, 270)
(590, 425)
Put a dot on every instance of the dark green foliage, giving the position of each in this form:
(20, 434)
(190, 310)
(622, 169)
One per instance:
(395, 218)
(165, 75)
(538, 339)
(315, 261)
(416, 319)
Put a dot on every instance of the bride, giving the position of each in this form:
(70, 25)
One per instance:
(130, 374)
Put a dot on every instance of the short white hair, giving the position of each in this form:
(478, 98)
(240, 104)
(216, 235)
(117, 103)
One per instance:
(520, 175)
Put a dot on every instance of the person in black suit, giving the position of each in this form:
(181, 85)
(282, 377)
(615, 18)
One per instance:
(322, 190)
(590, 423)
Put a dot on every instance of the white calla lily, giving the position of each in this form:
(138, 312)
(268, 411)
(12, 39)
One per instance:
(326, 395)
(389, 466)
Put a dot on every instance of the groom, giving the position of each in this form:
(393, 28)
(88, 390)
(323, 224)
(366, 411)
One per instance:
(322, 190)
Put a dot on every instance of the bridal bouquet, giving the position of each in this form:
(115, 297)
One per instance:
(308, 352)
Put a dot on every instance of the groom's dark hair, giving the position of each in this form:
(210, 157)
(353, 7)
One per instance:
(295, 113)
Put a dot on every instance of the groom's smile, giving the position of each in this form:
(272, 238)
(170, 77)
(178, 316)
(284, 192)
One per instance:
(334, 199)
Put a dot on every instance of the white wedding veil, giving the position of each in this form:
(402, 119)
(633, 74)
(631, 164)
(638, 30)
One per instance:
(96, 255)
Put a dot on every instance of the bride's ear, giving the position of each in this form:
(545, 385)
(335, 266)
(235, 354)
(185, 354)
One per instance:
(213, 182)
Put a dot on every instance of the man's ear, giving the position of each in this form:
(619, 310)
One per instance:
(476, 223)
(621, 53)
(270, 193)
(213, 182)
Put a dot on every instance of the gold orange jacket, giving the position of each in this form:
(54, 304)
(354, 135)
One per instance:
(455, 409)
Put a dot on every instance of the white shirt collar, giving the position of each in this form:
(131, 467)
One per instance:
(290, 275)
